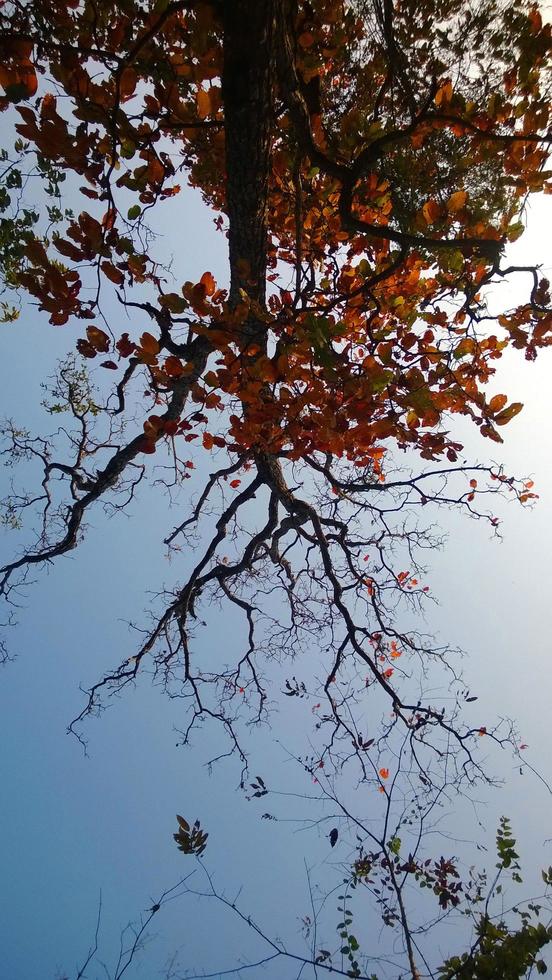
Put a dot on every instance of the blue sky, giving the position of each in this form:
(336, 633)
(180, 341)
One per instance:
(75, 825)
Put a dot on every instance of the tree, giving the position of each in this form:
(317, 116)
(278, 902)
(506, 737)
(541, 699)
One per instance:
(506, 942)
(368, 163)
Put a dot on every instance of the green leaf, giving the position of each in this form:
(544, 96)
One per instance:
(173, 302)
(515, 231)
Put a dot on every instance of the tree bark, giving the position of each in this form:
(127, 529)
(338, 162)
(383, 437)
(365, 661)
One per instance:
(247, 91)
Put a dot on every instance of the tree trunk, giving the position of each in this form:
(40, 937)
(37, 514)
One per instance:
(247, 90)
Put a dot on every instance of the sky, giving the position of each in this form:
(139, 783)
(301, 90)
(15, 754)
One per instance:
(76, 826)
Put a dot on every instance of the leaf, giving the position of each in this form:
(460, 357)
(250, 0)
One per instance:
(457, 202)
(497, 403)
(148, 446)
(134, 212)
(509, 413)
(431, 211)
(444, 93)
(173, 302)
(333, 835)
(98, 339)
(19, 81)
(515, 231)
(149, 343)
(173, 367)
(68, 249)
(112, 273)
(203, 100)
(208, 281)
(183, 823)
(125, 346)
(86, 349)
(127, 82)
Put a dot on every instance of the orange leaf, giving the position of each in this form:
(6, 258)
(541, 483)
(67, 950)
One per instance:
(444, 94)
(203, 103)
(153, 426)
(497, 403)
(156, 170)
(457, 201)
(98, 339)
(384, 773)
(208, 281)
(503, 417)
(108, 219)
(149, 344)
(36, 253)
(125, 346)
(127, 83)
(85, 348)
(112, 273)
(173, 367)
(431, 211)
(48, 106)
(19, 81)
